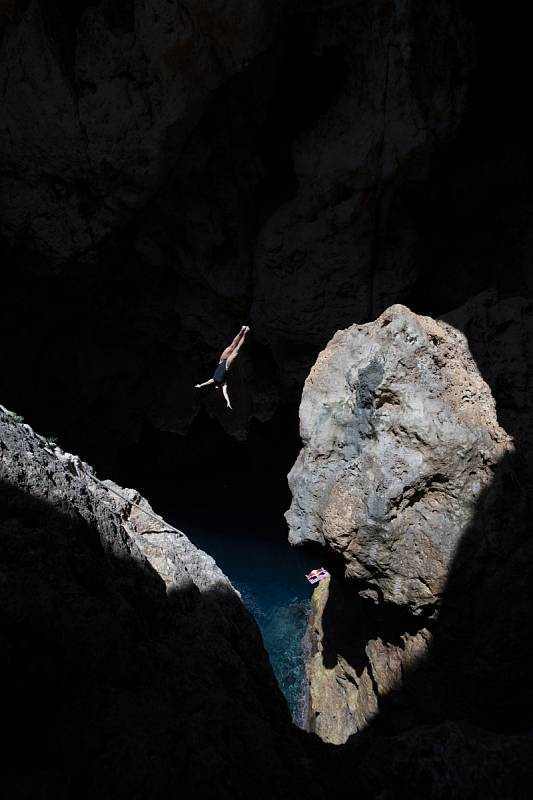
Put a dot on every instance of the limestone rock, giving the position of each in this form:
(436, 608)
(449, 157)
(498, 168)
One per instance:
(456, 656)
(350, 669)
(132, 665)
(400, 438)
(341, 701)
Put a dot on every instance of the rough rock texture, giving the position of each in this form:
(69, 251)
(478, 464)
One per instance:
(130, 665)
(345, 687)
(400, 437)
(426, 617)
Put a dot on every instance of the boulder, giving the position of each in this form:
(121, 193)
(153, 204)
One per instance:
(410, 474)
(400, 439)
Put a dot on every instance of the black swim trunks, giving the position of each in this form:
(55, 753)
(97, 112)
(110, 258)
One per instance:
(219, 376)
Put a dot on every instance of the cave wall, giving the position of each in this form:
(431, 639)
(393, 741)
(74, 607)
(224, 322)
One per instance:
(169, 171)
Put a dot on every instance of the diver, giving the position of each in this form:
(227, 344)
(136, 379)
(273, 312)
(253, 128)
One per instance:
(227, 358)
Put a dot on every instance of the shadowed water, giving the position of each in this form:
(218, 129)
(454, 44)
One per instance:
(270, 575)
(229, 497)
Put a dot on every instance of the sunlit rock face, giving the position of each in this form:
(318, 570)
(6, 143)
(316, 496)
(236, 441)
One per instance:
(420, 482)
(400, 439)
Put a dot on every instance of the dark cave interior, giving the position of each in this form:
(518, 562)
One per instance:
(471, 214)
(102, 349)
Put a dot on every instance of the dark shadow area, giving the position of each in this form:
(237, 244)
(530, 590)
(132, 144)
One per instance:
(114, 688)
(211, 478)
(350, 619)
(61, 19)
(474, 207)
(146, 315)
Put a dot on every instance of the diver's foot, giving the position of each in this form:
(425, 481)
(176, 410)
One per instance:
(246, 328)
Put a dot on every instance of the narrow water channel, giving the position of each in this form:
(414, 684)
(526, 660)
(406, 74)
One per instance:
(270, 575)
(229, 498)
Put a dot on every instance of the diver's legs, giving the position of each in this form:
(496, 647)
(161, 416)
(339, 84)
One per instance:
(235, 352)
(235, 343)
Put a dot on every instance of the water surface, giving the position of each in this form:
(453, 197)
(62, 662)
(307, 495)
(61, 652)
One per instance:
(229, 497)
(254, 553)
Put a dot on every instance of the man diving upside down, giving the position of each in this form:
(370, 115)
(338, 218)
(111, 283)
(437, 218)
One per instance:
(227, 358)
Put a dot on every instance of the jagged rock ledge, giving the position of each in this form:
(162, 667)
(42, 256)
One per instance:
(38, 466)
(132, 665)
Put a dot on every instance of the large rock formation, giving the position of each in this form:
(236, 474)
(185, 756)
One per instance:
(130, 666)
(408, 477)
(400, 437)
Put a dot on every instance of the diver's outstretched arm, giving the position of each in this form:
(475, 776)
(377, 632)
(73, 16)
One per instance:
(206, 383)
(226, 395)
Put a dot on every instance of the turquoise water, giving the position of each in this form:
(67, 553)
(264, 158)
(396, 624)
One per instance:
(270, 575)
(229, 497)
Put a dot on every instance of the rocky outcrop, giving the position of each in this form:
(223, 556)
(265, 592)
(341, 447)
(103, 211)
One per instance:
(400, 437)
(350, 669)
(409, 477)
(131, 666)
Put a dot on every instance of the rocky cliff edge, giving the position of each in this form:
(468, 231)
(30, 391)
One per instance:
(131, 666)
